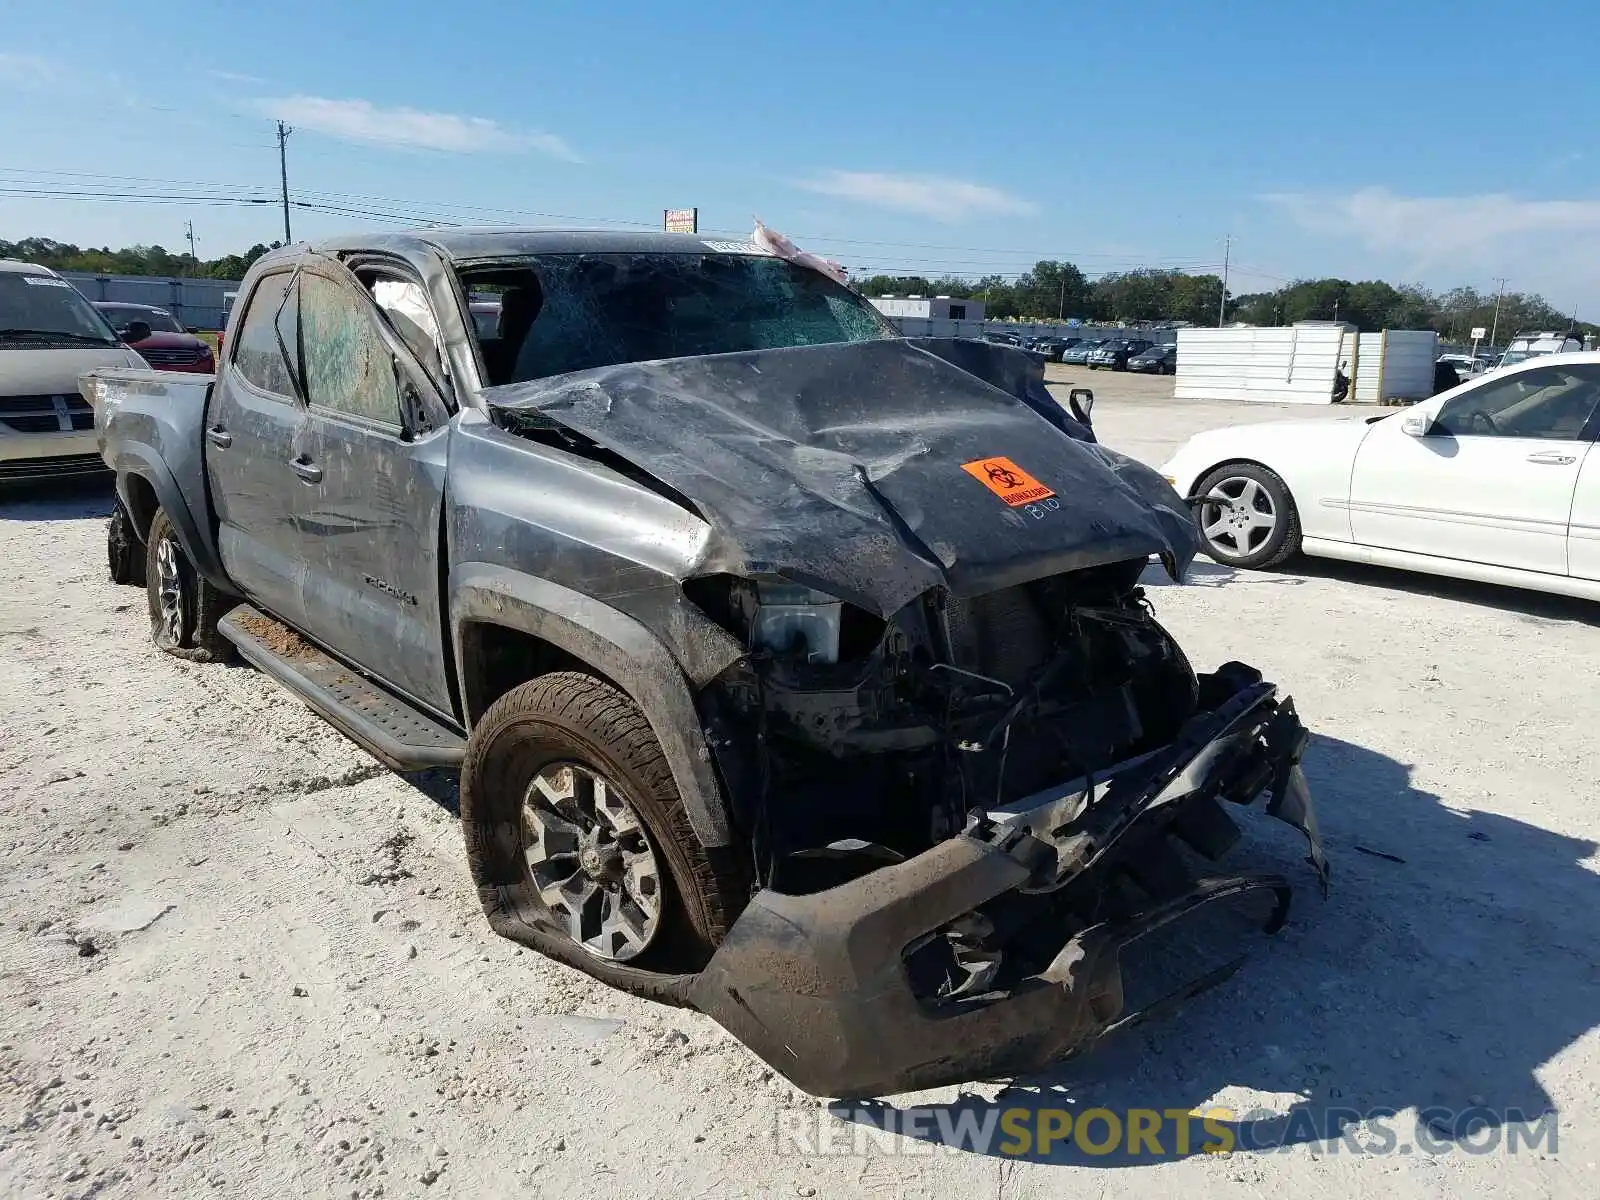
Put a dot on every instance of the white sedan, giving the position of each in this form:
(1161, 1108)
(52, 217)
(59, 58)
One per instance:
(1497, 480)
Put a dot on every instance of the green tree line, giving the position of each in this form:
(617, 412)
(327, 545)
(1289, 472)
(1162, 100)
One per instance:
(131, 260)
(1050, 291)
(1058, 290)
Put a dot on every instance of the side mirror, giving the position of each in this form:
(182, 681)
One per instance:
(1081, 402)
(134, 331)
(1416, 424)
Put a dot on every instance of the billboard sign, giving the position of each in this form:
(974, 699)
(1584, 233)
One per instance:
(681, 220)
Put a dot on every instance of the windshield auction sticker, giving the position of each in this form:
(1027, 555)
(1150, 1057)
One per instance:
(1007, 480)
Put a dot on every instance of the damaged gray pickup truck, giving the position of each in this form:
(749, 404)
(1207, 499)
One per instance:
(796, 671)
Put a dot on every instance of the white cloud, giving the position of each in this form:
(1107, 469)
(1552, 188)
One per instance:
(409, 128)
(28, 69)
(1439, 227)
(925, 195)
(1542, 246)
(234, 77)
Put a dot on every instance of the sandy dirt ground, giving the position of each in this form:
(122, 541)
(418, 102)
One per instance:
(239, 958)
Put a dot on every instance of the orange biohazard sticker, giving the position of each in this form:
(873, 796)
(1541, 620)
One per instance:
(1007, 480)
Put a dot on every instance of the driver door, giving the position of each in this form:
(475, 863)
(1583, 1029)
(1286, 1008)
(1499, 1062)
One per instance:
(1490, 479)
(372, 474)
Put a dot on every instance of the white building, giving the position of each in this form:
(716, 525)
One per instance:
(929, 308)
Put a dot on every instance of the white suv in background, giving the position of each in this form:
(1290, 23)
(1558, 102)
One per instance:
(49, 335)
(1537, 345)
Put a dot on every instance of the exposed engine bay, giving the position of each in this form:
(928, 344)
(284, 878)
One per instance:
(842, 727)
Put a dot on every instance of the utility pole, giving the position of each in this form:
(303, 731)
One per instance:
(1061, 307)
(1500, 287)
(1222, 305)
(189, 233)
(283, 175)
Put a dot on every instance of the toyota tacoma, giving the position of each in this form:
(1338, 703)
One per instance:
(796, 671)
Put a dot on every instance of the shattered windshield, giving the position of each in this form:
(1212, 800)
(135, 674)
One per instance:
(570, 312)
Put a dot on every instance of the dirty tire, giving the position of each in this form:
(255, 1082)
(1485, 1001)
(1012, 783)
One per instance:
(124, 550)
(568, 716)
(1280, 542)
(183, 624)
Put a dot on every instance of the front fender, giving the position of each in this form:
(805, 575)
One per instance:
(139, 460)
(618, 647)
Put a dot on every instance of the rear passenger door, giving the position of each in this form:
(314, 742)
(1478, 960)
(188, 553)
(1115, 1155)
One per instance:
(255, 427)
(372, 469)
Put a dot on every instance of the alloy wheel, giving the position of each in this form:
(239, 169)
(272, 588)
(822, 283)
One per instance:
(1238, 516)
(592, 861)
(169, 590)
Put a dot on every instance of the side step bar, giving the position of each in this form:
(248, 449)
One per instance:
(388, 728)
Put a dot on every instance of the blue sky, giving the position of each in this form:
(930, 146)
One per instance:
(1440, 144)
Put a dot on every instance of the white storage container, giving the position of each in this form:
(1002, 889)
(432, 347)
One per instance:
(1296, 365)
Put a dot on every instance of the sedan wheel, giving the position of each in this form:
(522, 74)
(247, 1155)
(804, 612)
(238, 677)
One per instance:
(1246, 517)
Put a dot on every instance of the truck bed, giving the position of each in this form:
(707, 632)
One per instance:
(150, 427)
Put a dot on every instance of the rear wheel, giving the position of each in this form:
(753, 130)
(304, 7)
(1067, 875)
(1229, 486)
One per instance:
(184, 608)
(575, 829)
(124, 551)
(1246, 516)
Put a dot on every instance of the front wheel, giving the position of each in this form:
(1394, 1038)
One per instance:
(575, 830)
(1246, 516)
(184, 607)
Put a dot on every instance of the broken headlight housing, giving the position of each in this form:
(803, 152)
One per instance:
(787, 620)
(797, 621)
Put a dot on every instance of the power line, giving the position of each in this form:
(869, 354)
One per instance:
(401, 211)
(131, 198)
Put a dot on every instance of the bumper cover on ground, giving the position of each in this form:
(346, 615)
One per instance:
(818, 987)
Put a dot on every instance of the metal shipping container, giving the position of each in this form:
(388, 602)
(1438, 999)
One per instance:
(1293, 365)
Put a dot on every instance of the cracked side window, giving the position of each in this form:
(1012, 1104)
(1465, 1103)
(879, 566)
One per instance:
(256, 352)
(348, 367)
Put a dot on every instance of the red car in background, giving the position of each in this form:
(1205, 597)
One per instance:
(170, 347)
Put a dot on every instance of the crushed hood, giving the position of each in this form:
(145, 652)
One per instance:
(872, 470)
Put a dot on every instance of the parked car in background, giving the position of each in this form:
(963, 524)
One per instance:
(1496, 480)
(1157, 360)
(1467, 365)
(1051, 348)
(1078, 355)
(169, 346)
(1538, 345)
(1116, 353)
(49, 335)
(1002, 339)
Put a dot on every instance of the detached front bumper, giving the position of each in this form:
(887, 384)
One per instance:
(818, 985)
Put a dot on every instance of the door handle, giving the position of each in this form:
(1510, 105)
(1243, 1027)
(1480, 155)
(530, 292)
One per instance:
(306, 469)
(219, 437)
(1552, 458)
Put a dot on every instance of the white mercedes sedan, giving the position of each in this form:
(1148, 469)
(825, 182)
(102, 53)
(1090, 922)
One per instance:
(1497, 480)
